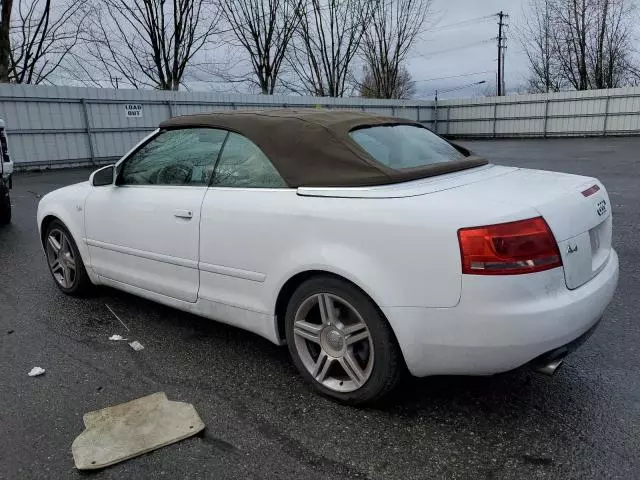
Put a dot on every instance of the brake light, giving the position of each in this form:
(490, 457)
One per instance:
(512, 248)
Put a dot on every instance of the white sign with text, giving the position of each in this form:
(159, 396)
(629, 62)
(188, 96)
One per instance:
(133, 110)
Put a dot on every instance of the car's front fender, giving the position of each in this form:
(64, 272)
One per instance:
(67, 205)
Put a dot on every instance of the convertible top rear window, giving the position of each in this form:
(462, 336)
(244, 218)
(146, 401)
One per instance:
(404, 146)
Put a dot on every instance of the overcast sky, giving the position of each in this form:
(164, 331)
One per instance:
(457, 49)
(454, 46)
(459, 39)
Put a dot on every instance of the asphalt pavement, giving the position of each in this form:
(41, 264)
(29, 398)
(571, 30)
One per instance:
(264, 422)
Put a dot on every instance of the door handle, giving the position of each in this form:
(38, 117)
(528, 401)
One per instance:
(183, 214)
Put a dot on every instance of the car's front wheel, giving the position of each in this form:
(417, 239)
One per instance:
(340, 342)
(63, 258)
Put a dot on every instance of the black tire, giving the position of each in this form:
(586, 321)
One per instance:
(80, 284)
(388, 365)
(5, 205)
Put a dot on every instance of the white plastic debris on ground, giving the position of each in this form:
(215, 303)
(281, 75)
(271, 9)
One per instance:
(116, 337)
(124, 431)
(136, 345)
(36, 371)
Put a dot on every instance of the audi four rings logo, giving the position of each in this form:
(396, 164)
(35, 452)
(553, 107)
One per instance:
(602, 207)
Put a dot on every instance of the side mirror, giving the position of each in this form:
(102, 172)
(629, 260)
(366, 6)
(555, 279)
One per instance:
(102, 176)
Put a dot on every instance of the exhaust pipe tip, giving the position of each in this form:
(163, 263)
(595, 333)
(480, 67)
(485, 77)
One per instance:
(550, 368)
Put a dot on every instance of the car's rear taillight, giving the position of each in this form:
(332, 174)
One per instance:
(512, 248)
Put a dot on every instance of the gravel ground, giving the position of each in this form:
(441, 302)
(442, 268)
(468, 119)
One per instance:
(264, 422)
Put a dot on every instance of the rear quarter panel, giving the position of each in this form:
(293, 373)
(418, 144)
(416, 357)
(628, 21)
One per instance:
(400, 251)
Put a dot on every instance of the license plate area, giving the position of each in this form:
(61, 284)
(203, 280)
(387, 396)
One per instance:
(584, 255)
(600, 240)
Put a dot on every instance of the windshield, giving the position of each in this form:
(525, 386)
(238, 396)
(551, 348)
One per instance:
(404, 146)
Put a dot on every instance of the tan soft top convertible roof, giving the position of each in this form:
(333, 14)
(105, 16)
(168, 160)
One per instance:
(312, 147)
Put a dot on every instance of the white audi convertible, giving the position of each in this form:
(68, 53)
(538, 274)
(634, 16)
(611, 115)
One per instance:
(367, 244)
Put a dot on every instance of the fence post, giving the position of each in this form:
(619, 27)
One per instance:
(417, 113)
(448, 116)
(495, 118)
(393, 111)
(87, 127)
(169, 107)
(606, 118)
(546, 118)
(435, 116)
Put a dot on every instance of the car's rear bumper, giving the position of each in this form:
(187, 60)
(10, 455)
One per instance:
(501, 323)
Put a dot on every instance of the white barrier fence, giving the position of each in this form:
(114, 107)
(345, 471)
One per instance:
(63, 126)
(66, 126)
(588, 113)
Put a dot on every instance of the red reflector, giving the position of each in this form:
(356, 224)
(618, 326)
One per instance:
(591, 190)
(512, 248)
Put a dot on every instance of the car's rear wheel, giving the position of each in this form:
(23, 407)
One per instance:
(64, 261)
(5, 205)
(340, 342)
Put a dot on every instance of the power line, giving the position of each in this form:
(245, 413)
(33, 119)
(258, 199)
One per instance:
(454, 89)
(461, 87)
(453, 76)
(452, 26)
(459, 24)
(461, 47)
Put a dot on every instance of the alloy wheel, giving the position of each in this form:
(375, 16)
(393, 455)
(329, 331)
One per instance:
(61, 258)
(333, 342)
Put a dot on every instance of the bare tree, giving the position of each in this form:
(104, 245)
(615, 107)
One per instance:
(146, 43)
(403, 86)
(5, 42)
(537, 41)
(610, 54)
(388, 39)
(264, 29)
(325, 44)
(41, 38)
(571, 24)
(581, 44)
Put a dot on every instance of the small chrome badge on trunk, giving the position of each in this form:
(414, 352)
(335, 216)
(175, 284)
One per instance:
(602, 207)
(572, 248)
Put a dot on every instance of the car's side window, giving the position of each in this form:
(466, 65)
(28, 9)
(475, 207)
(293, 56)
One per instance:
(175, 157)
(243, 164)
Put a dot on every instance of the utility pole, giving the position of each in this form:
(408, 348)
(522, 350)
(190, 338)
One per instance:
(502, 46)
